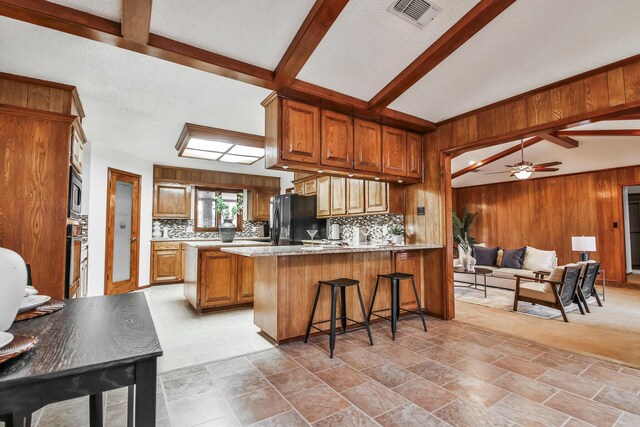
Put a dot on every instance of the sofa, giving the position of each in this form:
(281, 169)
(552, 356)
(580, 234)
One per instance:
(504, 277)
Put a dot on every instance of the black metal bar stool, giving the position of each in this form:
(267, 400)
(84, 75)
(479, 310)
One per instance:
(336, 284)
(395, 279)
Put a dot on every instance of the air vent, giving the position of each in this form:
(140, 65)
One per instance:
(418, 12)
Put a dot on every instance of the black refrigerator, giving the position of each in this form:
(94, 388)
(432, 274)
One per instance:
(291, 216)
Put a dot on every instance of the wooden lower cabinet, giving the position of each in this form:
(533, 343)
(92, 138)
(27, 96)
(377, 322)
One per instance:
(218, 277)
(167, 259)
(244, 284)
(216, 280)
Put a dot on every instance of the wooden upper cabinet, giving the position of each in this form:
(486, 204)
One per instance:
(298, 188)
(338, 196)
(300, 132)
(376, 197)
(337, 139)
(310, 187)
(414, 155)
(394, 151)
(261, 204)
(323, 195)
(171, 200)
(367, 146)
(355, 196)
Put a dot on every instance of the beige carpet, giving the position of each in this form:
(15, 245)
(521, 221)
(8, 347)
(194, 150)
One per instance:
(611, 332)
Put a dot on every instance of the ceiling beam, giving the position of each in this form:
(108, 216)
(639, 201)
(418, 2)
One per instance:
(317, 23)
(603, 132)
(136, 20)
(497, 156)
(635, 116)
(327, 98)
(72, 21)
(563, 141)
(475, 20)
(82, 24)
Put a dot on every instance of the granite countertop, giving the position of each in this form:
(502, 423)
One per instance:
(219, 243)
(206, 239)
(298, 250)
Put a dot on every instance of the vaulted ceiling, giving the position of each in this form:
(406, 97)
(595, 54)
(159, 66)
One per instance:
(352, 53)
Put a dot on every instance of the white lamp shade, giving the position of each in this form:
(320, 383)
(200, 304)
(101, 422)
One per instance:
(583, 244)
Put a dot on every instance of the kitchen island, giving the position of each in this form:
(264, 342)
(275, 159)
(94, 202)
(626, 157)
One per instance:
(285, 280)
(215, 280)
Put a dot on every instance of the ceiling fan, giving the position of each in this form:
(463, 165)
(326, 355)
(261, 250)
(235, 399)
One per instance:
(524, 169)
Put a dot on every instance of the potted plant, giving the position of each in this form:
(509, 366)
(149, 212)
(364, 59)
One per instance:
(228, 228)
(398, 233)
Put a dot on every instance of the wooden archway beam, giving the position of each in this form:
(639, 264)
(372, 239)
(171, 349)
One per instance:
(497, 156)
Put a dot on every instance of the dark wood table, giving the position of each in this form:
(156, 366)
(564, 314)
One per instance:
(477, 271)
(91, 346)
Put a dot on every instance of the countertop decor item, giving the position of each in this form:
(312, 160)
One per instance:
(13, 271)
(49, 307)
(398, 233)
(157, 232)
(228, 228)
(584, 245)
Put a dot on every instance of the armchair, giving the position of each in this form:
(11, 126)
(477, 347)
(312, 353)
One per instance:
(558, 291)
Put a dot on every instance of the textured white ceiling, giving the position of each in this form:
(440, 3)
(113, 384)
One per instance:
(593, 153)
(367, 46)
(135, 103)
(110, 9)
(532, 43)
(253, 31)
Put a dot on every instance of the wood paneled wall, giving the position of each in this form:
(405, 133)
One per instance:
(604, 92)
(546, 212)
(34, 181)
(433, 194)
(214, 178)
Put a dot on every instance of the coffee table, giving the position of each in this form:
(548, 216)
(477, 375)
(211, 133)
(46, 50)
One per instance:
(477, 271)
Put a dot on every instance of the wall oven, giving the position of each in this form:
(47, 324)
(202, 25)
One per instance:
(75, 194)
(74, 252)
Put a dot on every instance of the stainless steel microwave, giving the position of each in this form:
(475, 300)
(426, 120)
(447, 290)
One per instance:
(75, 194)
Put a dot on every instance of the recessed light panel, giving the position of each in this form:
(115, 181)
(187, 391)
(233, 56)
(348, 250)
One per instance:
(199, 154)
(206, 145)
(231, 158)
(243, 150)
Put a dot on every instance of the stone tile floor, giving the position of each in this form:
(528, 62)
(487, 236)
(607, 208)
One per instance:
(453, 375)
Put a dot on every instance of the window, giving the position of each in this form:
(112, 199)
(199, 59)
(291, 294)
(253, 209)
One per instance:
(207, 217)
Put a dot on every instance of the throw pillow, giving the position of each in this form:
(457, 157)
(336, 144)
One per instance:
(512, 258)
(555, 276)
(485, 256)
(500, 255)
(538, 260)
(473, 248)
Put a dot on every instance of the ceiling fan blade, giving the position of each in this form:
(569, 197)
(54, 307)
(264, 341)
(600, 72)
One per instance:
(548, 164)
(547, 170)
(509, 166)
(493, 173)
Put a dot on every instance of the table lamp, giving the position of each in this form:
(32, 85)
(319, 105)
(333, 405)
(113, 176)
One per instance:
(583, 244)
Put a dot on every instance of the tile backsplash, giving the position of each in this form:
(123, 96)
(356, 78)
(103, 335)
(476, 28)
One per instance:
(374, 223)
(177, 228)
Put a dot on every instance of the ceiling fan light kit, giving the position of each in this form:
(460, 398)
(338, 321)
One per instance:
(523, 169)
